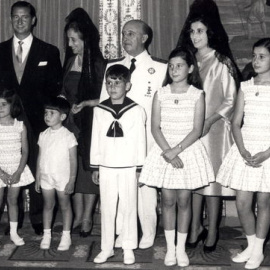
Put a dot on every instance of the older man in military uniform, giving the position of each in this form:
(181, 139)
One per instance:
(148, 74)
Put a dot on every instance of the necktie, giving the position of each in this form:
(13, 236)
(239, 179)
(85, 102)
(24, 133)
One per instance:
(132, 66)
(19, 52)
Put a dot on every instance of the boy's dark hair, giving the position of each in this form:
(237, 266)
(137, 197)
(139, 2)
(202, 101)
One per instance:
(119, 72)
(12, 98)
(24, 4)
(58, 103)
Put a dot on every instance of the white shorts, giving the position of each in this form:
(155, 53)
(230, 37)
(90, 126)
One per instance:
(53, 181)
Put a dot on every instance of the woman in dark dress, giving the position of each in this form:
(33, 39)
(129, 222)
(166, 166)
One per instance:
(84, 68)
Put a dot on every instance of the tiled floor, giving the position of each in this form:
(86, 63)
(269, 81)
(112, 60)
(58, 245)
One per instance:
(30, 256)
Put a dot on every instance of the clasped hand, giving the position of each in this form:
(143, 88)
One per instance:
(77, 107)
(171, 156)
(256, 160)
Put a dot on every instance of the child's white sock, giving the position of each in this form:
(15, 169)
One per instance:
(47, 232)
(181, 242)
(170, 257)
(181, 255)
(13, 227)
(258, 247)
(249, 249)
(66, 233)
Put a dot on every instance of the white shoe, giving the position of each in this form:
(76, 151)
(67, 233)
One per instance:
(17, 240)
(129, 257)
(45, 242)
(103, 256)
(170, 258)
(65, 243)
(182, 259)
(241, 257)
(147, 242)
(254, 262)
(118, 241)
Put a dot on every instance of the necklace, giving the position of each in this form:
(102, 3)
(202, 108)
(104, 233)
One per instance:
(257, 92)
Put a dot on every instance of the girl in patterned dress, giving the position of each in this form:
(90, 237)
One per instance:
(178, 162)
(246, 167)
(14, 173)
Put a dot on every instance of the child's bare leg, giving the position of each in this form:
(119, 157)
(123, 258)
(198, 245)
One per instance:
(262, 227)
(48, 207)
(247, 220)
(12, 200)
(65, 205)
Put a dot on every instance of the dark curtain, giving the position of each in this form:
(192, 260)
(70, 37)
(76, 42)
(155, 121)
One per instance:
(166, 18)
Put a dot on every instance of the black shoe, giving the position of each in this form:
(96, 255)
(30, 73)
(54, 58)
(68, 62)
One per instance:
(201, 237)
(38, 228)
(209, 249)
(84, 234)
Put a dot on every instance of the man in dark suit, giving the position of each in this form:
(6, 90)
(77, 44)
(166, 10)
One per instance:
(33, 68)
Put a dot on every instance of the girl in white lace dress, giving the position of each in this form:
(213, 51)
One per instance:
(14, 173)
(178, 162)
(246, 167)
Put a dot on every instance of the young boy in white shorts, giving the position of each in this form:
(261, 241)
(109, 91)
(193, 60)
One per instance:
(56, 169)
(117, 154)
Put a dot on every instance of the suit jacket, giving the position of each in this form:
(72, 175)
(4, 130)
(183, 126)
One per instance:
(41, 79)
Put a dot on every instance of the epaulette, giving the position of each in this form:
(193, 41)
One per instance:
(159, 60)
(116, 60)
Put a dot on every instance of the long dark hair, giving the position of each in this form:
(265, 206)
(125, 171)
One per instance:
(193, 77)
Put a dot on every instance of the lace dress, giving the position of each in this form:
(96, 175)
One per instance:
(234, 172)
(177, 114)
(10, 153)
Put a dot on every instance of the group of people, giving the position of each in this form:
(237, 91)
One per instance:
(192, 127)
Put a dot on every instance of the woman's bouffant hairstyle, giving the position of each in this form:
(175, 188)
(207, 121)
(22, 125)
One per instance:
(187, 55)
(13, 99)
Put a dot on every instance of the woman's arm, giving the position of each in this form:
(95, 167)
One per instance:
(229, 92)
(86, 103)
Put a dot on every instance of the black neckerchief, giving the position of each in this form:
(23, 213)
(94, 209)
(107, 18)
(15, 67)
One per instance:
(117, 110)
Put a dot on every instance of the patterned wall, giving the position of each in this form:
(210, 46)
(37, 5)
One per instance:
(113, 15)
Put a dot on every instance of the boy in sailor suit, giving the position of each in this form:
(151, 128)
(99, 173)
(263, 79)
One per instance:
(147, 77)
(117, 154)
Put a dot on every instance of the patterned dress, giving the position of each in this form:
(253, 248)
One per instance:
(10, 153)
(234, 172)
(177, 117)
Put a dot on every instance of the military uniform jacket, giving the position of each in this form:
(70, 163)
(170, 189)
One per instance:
(123, 149)
(146, 79)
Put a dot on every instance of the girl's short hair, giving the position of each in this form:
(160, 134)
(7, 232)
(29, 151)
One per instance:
(264, 42)
(12, 98)
(187, 55)
(58, 103)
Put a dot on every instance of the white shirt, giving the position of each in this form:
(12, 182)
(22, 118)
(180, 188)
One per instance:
(27, 42)
(54, 148)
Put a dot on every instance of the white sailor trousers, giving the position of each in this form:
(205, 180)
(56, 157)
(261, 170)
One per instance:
(118, 184)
